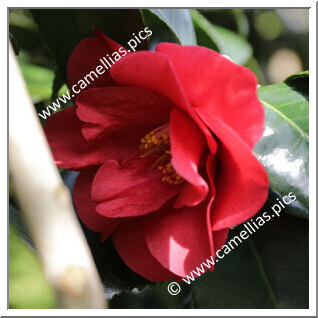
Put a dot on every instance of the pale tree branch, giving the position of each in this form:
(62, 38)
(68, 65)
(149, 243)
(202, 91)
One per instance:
(46, 204)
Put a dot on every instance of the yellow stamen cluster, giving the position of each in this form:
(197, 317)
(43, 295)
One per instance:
(152, 140)
(155, 143)
(169, 174)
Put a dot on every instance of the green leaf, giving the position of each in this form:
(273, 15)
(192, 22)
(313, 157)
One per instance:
(177, 20)
(254, 66)
(24, 30)
(153, 297)
(28, 288)
(39, 81)
(283, 150)
(269, 270)
(21, 18)
(16, 219)
(241, 21)
(290, 98)
(299, 75)
(227, 42)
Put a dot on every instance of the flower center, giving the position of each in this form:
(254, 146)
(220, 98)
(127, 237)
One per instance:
(157, 144)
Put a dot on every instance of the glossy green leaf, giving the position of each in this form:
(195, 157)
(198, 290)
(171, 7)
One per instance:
(177, 20)
(254, 66)
(299, 75)
(283, 150)
(153, 297)
(227, 42)
(290, 98)
(268, 270)
(28, 287)
(39, 81)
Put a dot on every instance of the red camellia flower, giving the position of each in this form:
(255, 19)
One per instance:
(163, 142)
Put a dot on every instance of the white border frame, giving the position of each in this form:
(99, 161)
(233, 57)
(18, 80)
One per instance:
(312, 162)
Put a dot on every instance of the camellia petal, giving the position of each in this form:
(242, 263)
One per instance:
(178, 239)
(187, 146)
(222, 88)
(132, 188)
(211, 164)
(241, 182)
(219, 238)
(114, 109)
(131, 245)
(86, 57)
(71, 150)
(155, 72)
(86, 207)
